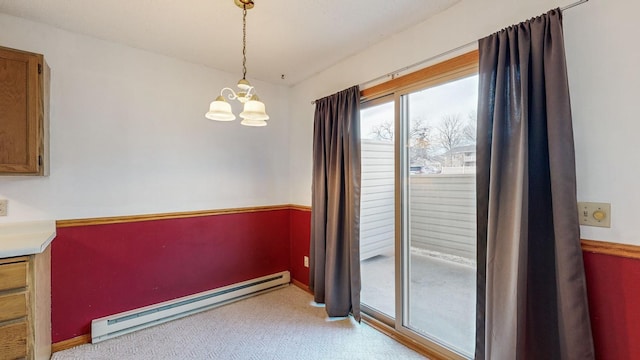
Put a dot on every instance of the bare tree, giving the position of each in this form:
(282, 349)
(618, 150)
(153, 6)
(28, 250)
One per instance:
(427, 144)
(470, 129)
(383, 132)
(420, 142)
(419, 130)
(450, 132)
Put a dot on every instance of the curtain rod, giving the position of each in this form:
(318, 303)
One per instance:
(393, 74)
(580, 2)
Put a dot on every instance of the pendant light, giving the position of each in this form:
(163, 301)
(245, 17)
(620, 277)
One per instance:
(253, 113)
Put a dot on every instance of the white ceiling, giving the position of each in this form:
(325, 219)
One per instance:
(297, 38)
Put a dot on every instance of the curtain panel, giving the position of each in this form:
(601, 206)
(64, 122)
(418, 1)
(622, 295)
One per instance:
(531, 299)
(334, 267)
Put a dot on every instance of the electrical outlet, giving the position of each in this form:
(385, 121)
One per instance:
(306, 261)
(594, 214)
(3, 207)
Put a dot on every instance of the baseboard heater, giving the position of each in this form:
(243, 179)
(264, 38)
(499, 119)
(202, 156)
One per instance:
(126, 322)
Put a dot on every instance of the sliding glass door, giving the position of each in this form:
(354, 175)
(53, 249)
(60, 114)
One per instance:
(418, 222)
(439, 233)
(377, 208)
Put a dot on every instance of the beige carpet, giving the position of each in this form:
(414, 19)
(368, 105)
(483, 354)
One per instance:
(283, 324)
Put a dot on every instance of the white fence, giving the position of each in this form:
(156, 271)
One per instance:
(442, 210)
(442, 213)
(377, 199)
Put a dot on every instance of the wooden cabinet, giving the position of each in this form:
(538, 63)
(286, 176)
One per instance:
(24, 113)
(25, 307)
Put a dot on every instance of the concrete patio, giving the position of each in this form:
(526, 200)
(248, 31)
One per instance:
(441, 296)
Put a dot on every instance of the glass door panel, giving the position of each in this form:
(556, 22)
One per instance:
(377, 206)
(439, 231)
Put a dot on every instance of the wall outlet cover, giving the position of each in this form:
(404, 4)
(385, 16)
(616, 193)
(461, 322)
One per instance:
(594, 214)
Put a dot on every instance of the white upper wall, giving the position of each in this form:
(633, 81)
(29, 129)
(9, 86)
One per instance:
(129, 136)
(602, 64)
(602, 57)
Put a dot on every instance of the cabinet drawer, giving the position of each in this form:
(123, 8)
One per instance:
(13, 306)
(13, 276)
(14, 341)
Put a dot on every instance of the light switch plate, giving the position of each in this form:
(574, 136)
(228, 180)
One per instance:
(3, 207)
(594, 214)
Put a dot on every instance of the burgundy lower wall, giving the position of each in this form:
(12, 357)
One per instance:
(300, 230)
(100, 270)
(613, 284)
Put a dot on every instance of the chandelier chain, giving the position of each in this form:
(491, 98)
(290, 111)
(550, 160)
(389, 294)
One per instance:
(244, 42)
(253, 110)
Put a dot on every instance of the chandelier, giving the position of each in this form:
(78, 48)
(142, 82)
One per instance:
(253, 113)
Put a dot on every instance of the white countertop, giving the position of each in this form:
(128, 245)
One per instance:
(26, 238)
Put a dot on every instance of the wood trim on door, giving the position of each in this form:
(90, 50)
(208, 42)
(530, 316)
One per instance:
(448, 70)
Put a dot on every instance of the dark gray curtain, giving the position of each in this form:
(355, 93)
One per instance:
(532, 300)
(335, 208)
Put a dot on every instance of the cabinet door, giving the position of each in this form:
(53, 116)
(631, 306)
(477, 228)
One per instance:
(14, 340)
(20, 112)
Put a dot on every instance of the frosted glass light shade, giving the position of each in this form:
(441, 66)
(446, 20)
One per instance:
(254, 110)
(248, 122)
(220, 110)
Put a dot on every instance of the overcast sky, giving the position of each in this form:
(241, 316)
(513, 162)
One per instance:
(456, 97)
